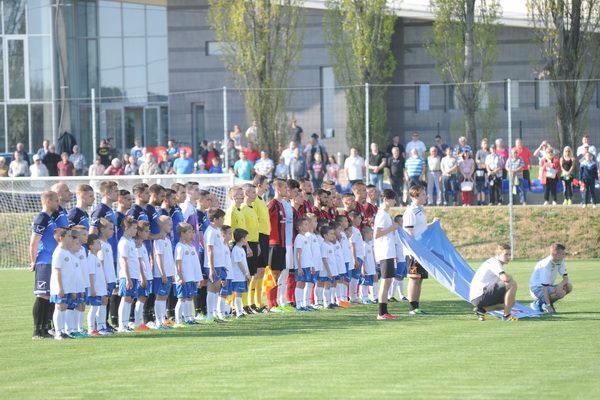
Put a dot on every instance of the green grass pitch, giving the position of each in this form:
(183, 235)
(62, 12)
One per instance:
(322, 355)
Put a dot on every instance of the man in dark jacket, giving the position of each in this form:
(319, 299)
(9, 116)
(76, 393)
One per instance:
(51, 160)
(65, 143)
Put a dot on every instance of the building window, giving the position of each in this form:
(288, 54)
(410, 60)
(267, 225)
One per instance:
(214, 48)
(327, 101)
(452, 98)
(542, 93)
(422, 98)
(514, 94)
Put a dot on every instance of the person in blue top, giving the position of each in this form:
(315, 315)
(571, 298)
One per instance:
(588, 172)
(60, 216)
(153, 209)
(184, 164)
(85, 199)
(41, 247)
(243, 167)
(414, 168)
(138, 208)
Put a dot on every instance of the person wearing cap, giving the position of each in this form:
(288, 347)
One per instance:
(37, 169)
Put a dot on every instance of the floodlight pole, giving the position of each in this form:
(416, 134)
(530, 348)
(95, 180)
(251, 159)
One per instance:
(510, 175)
(367, 133)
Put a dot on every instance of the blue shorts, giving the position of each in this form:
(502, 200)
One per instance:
(307, 276)
(187, 290)
(323, 279)
(41, 286)
(221, 275)
(354, 273)
(161, 289)
(339, 277)
(124, 292)
(366, 280)
(110, 286)
(401, 270)
(205, 272)
(144, 291)
(94, 301)
(227, 288)
(239, 287)
(67, 299)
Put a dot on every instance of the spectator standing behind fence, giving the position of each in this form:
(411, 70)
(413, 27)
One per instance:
(395, 143)
(567, 168)
(415, 168)
(3, 168)
(243, 167)
(417, 144)
(466, 166)
(96, 169)
(314, 147)
(353, 166)
(588, 172)
(21, 149)
(104, 153)
(64, 166)
(281, 169)
(252, 132)
(51, 160)
(37, 169)
(264, 166)
(480, 171)
(216, 166)
(524, 154)
(494, 166)
(316, 171)
(297, 165)
(236, 136)
(375, 166)
(132, 168)
(18, 167)
(585, 142)
(209, 155)
(252, 153)
(333, 169)
(296, 132)
(441, 146)
(44, 149)
(288, 153)
(231, 153)
(183, 165)
(550, 167)
(395, 164)
(78, 160)
(115, 168)
(461, 147)
(137, 150)
(434, 177)
(449, 166)
(516, 166)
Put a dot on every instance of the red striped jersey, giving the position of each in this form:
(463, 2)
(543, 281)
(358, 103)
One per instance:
(277, 221)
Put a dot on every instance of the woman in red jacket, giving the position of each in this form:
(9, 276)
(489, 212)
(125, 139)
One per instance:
(550, 167)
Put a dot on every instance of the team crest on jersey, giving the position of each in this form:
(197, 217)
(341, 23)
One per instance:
(187, 252)
(66, 259)
(193, 253)
(81, 257)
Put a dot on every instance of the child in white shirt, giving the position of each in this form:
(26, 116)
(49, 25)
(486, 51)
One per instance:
(129, 272)
(368, 274)
(63, 281)
(240, 274)
(97, 295)
(106, 257)
(302, 262)
(145, 287)
(187, 265)
(164, 270)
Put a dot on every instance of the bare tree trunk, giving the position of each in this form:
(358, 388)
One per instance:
(468, 90)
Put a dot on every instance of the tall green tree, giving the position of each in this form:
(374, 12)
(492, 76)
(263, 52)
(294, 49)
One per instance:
(359, 34)
(463, 44)
(567, 31)
(261, 42)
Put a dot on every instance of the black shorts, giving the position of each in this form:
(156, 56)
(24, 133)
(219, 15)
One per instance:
(415, 270)
(263, 243)
(41, 286)
(253, 261)
(277, 258)
(388, 268)
(492, 295)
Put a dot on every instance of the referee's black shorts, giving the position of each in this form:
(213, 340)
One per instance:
(388, 268)
(415, 270)
(277, 258)
(263, 243)
(253, 261)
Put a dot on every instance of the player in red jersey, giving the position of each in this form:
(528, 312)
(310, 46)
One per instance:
(277, 237)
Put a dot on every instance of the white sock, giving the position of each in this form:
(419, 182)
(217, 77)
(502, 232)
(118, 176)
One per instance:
(80, 318)
(138, 313)
(342, 292)
(101, 317)
(332, 293)
(189, 310)
(59, 321)
(211, 303)
(158, 312)
(319, 295)
(375, 291)
(282, 287)
(124, 311)
(239, 307)
(299, 294)
(91, 318)
(353, 289)
(220, 307)
(364, 292)
(178, 311)
(400, 286)
(308, 287)
(326, 296)
(70, 323)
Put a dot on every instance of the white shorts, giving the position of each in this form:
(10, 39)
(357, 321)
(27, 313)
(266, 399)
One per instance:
(289, 257)
(537, 292)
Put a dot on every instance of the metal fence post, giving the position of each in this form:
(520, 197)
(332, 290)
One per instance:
(510, 175)
(367, 131)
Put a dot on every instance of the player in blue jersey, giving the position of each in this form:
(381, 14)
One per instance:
(109, 193)
(138, 208)
(124, 203)
(78, 215)
(41, 247)
(64, 198)
(153, 210)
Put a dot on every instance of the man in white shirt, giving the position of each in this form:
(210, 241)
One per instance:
(492, 288)
(264, 165)
(415, 143)
(541, 283)
(585, 142)
(37, 169)
(353, 166)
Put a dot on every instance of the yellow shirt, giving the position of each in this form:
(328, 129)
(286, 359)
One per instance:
(264, 223)
(234, 218)
(251, 219)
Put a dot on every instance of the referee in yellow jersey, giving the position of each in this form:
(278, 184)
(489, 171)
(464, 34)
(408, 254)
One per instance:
(261, 184)
(251, 218)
